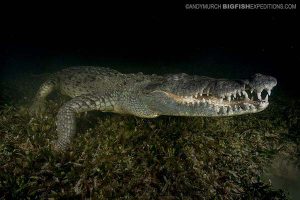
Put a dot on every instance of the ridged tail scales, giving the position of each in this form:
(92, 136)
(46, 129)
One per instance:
(65, 122)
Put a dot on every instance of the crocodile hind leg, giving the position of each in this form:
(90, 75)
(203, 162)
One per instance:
(46, 88)
(65, 121)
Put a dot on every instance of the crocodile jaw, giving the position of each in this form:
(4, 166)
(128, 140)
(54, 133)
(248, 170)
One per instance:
(249, 97)
(213, 106)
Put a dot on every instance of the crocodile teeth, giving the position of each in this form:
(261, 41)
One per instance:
(235, 107)
(246, 95)
(269, 92)
(239, 92)
(239, 109)
(267, 98)
(229, 110)
(228, 98)
(234, 94)
(259, 95)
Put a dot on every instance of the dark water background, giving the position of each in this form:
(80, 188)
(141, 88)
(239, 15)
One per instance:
(153, 38)
(215, 61)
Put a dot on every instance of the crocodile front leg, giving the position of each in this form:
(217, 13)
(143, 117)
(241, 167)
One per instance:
(65, 121)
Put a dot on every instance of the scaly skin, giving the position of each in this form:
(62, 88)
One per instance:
(148, 96)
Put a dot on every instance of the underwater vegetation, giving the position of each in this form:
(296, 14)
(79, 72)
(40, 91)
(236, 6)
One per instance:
(125, 157)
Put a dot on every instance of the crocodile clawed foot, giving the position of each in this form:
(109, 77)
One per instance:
(37, 108)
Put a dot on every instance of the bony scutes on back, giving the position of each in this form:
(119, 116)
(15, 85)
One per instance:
(149, 96)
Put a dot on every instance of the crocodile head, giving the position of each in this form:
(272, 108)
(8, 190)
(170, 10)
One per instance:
(185, 95)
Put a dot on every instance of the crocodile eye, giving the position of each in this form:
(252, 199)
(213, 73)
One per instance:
(176, 77)
(153, 86)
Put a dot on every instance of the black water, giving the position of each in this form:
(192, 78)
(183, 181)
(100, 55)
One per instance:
(153, 38)
(216, 61)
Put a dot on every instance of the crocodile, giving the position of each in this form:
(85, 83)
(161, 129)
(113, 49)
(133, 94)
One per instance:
(148, 96)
